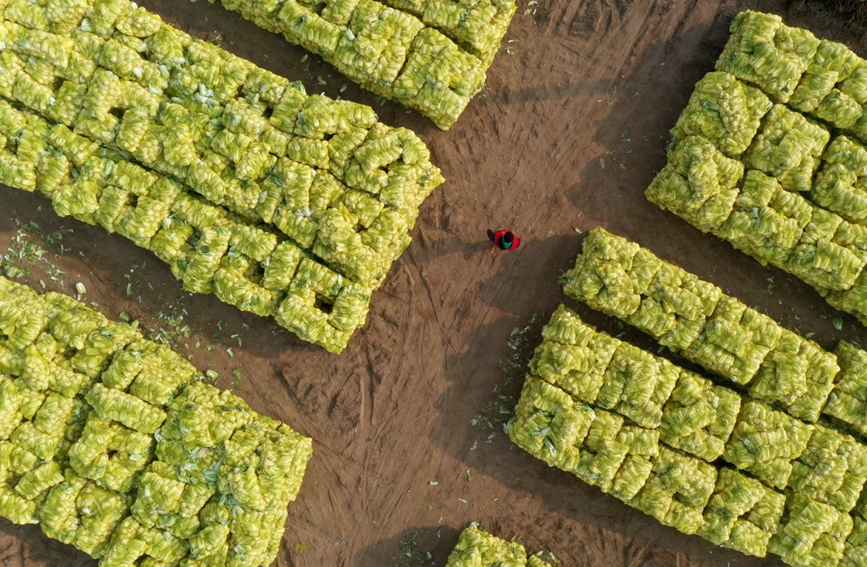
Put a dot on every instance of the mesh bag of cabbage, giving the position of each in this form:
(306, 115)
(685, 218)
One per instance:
(832, 469)
(855, 549)
(431, 55)
(114, 116)
(677, 491)
(742, 514)
(831, 253)
(766, 442)
(550, 425)
(852, 300)
(767, 221)
(839, 186)
(112, 443)
(615, 456)
(699, 184)
(478, 548)
(771, 55)
(832, 87)
(788, 147)
(783, 229)
(798, 375)
(725, 111)
(699, 417)
(811, 534)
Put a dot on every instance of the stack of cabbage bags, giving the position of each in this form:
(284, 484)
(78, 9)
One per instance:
(431, 55)
(795, 200)
(695, 319)
(682, 312)
(716, 463)
(754, 470)
(112, 443)
(478, 548)
(666, 466)
(817, 77)
(600, 370)
(556, 428)
(773, 436)
(280, 203)
(759, 216)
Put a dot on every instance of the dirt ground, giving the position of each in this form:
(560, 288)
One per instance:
(407, 423)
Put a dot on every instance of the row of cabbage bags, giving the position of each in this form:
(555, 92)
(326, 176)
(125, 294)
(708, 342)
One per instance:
(113, 444)
(478, 548)
(280, 203)
(431, 55)
(697, 456)
(695, 319)
(754, 160)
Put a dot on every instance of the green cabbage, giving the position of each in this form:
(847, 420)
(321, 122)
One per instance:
(210, 162)
(431, 55)
(113, 444)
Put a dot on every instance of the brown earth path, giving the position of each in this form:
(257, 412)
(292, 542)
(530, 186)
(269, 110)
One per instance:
(408, 441)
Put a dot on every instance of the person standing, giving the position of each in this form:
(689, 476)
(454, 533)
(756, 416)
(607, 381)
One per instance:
(503, 239)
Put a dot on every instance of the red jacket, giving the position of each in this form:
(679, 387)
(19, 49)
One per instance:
(498, 240)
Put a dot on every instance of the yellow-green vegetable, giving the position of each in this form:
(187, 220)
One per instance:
(431, 55)
(212, 163)
(113, 444)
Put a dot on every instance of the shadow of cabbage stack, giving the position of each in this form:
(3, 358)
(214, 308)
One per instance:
(478, 548)
(431, 55)
(112, 444)
(768, 155)
(280, 203)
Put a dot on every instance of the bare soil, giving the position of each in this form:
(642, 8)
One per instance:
(407, 422)
(856, 10)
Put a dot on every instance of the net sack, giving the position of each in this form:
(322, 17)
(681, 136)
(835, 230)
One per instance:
(724, 111)
(765, 443)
